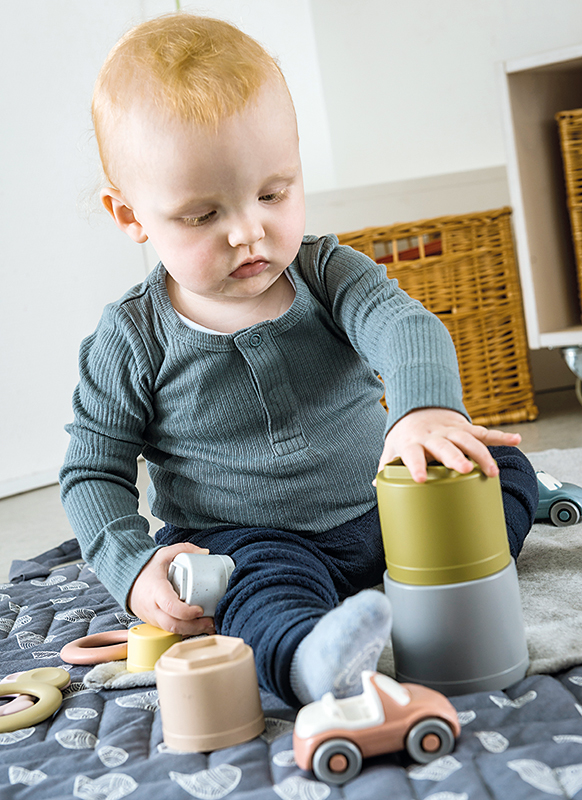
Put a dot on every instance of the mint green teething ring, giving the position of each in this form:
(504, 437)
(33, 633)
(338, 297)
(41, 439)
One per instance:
(45, 684)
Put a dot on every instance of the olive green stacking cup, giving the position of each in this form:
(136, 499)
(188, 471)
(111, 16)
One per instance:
(447, 530)
(457, 619)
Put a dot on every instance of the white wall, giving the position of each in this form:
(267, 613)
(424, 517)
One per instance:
(411, 85)
(57, 270)
(385, 91)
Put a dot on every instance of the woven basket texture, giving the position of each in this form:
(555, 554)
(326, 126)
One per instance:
(570, 128)
(463, 269)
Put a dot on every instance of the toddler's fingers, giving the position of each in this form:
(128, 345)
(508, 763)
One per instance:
(169, 602)
(449, 453)
(166, 555)
(196, 627)
(476, 440)
(494, 437)
(175, 616)
(502, 438)
(468, 447)
(414, 457)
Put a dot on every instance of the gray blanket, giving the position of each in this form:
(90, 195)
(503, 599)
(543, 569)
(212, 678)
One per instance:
(550, 578)
(107, 744)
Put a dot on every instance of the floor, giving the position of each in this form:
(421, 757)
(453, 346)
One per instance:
(33, 522)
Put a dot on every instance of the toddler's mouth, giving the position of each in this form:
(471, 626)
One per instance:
(250, 268)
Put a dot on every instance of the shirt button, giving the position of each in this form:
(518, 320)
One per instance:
(256, 339)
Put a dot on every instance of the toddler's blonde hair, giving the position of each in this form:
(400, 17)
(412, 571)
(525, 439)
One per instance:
(193, 68)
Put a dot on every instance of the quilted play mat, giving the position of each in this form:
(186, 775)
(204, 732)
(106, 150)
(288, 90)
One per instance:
(105, 741)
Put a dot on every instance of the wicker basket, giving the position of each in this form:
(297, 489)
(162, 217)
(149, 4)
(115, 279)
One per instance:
(462, 268)
(570, 127)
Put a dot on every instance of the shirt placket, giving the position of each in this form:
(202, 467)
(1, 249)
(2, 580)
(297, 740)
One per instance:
(273, 387)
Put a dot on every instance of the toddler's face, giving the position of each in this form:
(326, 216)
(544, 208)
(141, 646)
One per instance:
(223, 209)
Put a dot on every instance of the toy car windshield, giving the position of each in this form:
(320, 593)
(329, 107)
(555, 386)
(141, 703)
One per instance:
(548, 481)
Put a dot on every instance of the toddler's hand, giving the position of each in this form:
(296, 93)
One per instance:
(153, 599)
(445, 436)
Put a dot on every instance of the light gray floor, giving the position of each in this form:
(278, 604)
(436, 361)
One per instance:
(33, 522)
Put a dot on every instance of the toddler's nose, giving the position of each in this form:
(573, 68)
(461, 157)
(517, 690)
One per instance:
(245, 230)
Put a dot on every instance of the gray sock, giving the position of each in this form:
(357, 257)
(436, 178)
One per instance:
(344, 642)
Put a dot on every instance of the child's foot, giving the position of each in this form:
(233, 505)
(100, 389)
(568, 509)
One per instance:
(344, 642)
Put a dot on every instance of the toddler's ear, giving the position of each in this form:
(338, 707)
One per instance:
(123, 215)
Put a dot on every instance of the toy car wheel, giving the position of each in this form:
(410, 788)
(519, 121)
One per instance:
(337, 761)
(564, 513)
(429, 739)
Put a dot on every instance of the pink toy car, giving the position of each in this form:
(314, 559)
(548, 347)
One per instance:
(332, 736)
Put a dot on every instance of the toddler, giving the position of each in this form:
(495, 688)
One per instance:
(245, 370)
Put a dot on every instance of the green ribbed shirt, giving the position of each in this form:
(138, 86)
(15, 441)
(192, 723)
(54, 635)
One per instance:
(277, 425)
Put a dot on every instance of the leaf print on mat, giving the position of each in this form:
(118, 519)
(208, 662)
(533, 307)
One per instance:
(537, 774)
(274, 728)
(447, 796)
(561, 781)
(29, 777)
(493, 741)
(519, 702)
(297, 788)
(16, 736)
(52, 581)
(286, 758)
(76, 615)
(567, 737)
(125, 619)
(437, 770)
(112, 756)
(146, 701)
(71, 587)
(20, 622)
(107, 787)
(465, 717)
(209, 784)
(76, 739)
(76, 688)
(80, 713)
(28, 639)
(570, 778)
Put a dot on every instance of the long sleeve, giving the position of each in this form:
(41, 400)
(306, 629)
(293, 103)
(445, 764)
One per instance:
(406, 344)
(98, 480)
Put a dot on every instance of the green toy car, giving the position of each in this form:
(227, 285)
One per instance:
(559, 502)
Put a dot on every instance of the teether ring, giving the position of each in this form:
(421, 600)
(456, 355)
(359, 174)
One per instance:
(19, 701)
(97, 648)
(44, 684)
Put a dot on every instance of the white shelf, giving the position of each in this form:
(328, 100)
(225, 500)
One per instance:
(534, 89)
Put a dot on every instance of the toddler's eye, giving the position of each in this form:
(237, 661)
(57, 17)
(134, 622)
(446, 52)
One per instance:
(195, 221)
(274, 197)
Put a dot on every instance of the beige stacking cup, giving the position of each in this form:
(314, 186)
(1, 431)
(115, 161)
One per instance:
(209, 694)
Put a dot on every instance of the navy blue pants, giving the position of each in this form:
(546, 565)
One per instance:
(284, 582)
